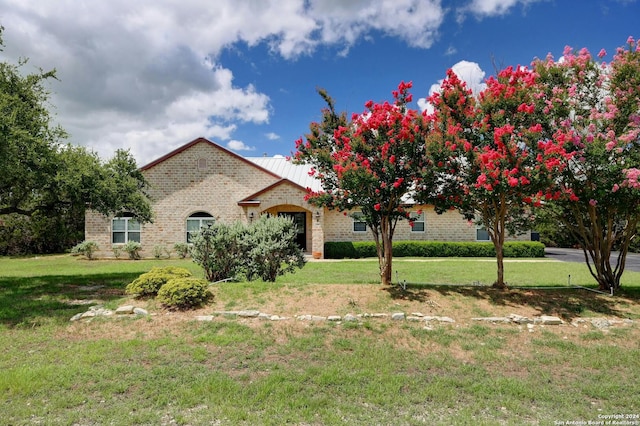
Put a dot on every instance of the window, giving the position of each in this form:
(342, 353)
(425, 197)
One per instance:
(481, 233)
(418, 222)
(359, 225)
(197, 221)
(202, 163)
(124, 229)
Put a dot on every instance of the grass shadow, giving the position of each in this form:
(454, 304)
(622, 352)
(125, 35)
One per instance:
(409, 293)
(567, 303)
(31, 301)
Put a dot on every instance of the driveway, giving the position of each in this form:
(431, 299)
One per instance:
(575, 255)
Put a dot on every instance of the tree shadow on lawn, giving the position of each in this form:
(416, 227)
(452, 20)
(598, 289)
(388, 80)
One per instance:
(32, 301)
(567, 303)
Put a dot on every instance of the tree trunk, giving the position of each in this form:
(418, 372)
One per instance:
(385, 273)
(496, 217)
(598, 235)
(608, 279)
(500, 261)
(386, 259)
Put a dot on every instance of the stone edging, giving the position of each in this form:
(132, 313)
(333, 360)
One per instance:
(99, 311)
(543, 320)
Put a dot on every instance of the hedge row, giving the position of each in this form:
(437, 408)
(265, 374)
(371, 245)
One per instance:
(357, 250)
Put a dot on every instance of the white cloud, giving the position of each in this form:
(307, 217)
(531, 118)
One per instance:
(469, 72)
(415, 21)
(145, 75)
(491, 7)
(239, 146)
(272, 136)
(488, 8)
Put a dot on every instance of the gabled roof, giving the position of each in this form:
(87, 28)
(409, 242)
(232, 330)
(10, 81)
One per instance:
(279, 167)
(253, 198)
(207, 141)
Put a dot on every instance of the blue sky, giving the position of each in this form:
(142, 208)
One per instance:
(150, 76)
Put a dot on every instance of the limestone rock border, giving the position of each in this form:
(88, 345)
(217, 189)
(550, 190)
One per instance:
(599, 323)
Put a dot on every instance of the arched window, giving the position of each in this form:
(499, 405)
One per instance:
(124, 229)
(195, 222)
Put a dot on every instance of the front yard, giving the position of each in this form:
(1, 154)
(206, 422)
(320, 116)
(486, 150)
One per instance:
(170, 368)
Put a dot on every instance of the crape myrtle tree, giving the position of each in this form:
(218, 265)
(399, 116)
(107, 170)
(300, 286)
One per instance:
(594, 108)
(490, 154)
(369, 163)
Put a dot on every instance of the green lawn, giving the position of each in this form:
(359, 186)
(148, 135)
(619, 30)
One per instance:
(157, 370)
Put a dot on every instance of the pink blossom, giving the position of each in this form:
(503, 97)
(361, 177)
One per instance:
(602, 53)
(632, 178)
(513, 181)
(615, 187)
(610, 145)
(536, 128)
(593, 202)
(630, 40)
(377, 207)
(526, 108)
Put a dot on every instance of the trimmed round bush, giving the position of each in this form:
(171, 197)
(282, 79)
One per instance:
(148, 284)
(184, 293)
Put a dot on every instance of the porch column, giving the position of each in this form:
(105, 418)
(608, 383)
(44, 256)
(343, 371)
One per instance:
(317, 232)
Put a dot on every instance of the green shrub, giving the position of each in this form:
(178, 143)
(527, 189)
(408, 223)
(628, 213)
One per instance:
(184, 293)
(150, 282)
(117, 251)
(133, 248)
(365, 249)
(263, 249)
(340, 250)
(86, 248)
(270, 249)
(523, 249)
(356, 250)
(217, 249)
(182, 249)
(159, 251)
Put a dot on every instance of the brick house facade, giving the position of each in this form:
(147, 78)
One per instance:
(203, 181)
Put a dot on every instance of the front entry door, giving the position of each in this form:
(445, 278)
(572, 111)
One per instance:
(300, 219)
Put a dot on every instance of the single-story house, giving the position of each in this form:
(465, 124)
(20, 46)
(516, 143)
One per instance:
(203, 181)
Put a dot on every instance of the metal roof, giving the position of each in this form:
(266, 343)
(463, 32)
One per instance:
(296, 173)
